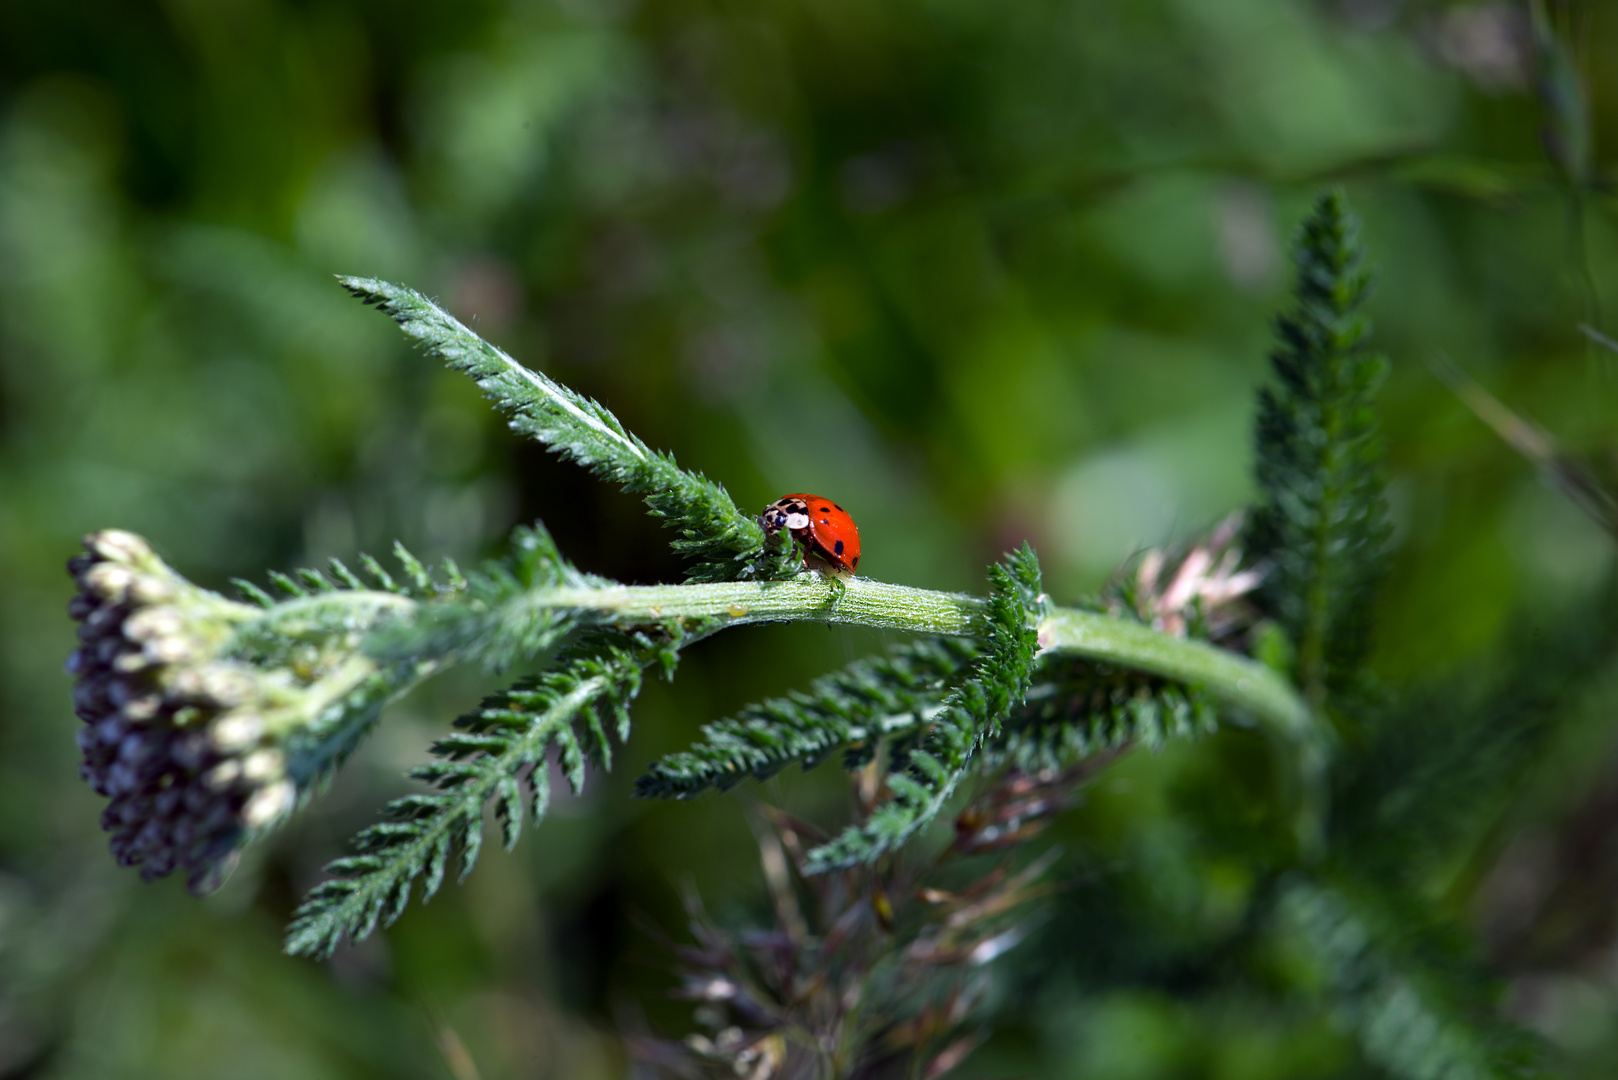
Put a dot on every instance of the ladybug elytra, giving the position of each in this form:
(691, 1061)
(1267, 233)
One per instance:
(820, 525)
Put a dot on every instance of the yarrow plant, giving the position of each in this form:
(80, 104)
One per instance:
(209, 721)
(308, 671)
(202, 731)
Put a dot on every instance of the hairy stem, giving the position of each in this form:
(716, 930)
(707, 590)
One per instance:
(1227, 676)
(809, 597)
(1231, 678)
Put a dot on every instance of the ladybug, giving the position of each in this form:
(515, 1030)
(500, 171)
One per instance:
(827, 533)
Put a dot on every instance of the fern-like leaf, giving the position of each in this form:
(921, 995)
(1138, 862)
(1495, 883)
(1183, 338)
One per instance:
(1079, 708)
(1417, 1007)
(1074, 710)
(306, 582)
(1320, 525)
(493, 616)
(496, 749)
(848, 710)
(926, 776)
(725, 543)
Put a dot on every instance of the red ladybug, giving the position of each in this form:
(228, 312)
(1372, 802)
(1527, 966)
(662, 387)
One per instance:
(823, 527)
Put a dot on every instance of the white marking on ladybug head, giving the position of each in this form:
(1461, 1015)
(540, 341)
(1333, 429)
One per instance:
(797, 521)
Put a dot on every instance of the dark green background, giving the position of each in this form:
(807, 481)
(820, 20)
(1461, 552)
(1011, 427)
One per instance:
(981, 272)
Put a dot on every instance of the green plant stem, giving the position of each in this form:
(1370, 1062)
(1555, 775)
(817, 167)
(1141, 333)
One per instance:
(1227, 676)
(708, 608)
(1231, 678)
(809, 597)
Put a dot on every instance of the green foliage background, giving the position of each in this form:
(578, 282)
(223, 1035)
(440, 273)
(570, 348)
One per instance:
(982, 272)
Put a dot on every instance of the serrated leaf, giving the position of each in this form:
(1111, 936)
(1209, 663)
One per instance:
(725, 543)
(924, 779)
(422, 832)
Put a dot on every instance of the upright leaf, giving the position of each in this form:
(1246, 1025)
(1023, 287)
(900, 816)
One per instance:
(1320, 525)
(725, 543)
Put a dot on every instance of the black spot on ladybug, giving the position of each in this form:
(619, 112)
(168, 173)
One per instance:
(838, 548)
(856, 560)
(825, 509)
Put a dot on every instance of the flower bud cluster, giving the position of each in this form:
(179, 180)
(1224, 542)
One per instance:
(1205, 584)
(174, 733)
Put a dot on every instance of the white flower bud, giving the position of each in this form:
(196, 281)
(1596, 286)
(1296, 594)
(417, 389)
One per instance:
(117, 545)
(130, 662)
(150, 589)
(225, 686)
(150, 623)
(268, 804)
(109, 580)
(222, 775)
(186, 682)
(169, 650)
(143, 708)
(236, 731)
(263, 765)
